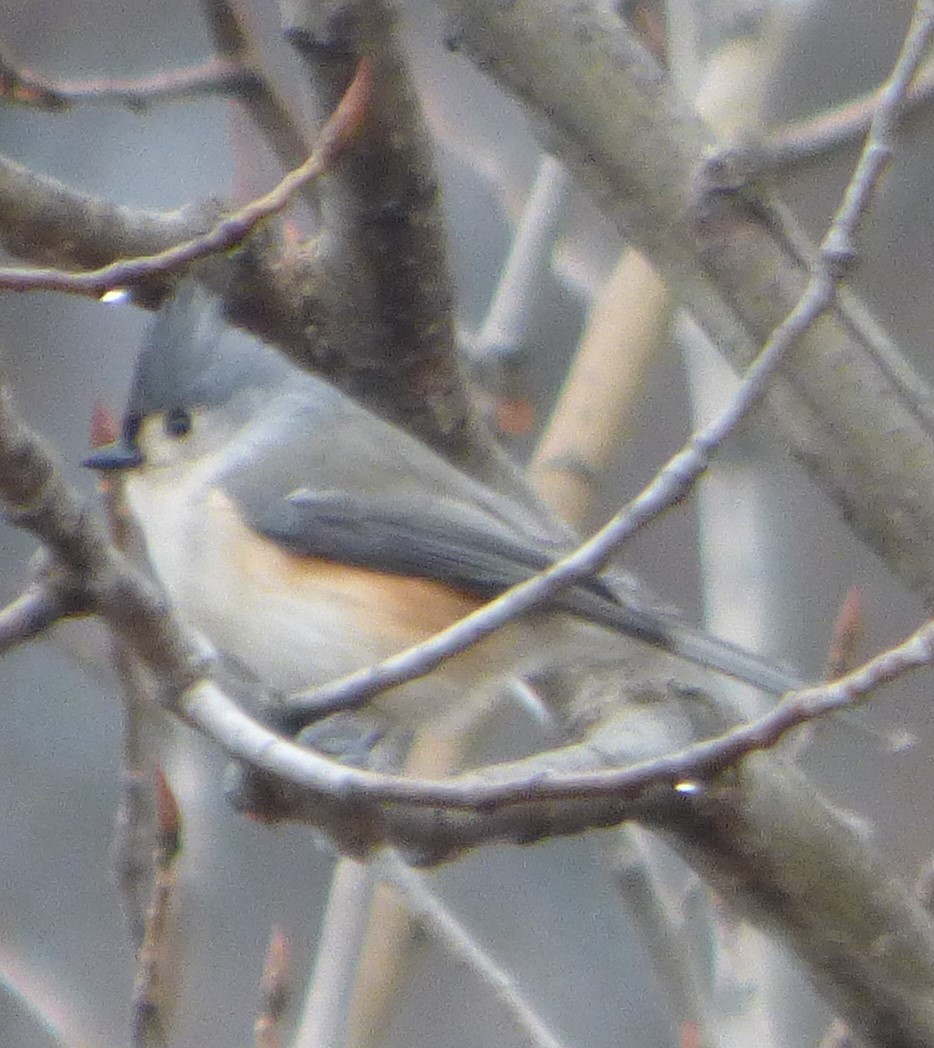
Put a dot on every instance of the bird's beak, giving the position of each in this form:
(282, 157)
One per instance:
(121, 454)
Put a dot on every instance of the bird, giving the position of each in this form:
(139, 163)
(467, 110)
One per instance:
(303, 537)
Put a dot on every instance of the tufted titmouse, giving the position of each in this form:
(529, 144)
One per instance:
(304, 537)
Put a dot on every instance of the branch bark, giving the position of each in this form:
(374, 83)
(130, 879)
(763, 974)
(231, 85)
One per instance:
(864, 938)
(385, 322)
(758, 831)
(853, 417)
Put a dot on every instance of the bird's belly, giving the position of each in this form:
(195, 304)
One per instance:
(299, 621)
(292, 621)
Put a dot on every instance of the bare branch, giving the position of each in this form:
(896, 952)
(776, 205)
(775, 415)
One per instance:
(44, 221)
(363, 809)
(838, 1034)
(663, 935)
(134, 824)
(798, 143)
(263, 102)
(389, 949)
(276, 991)
(877, 150)
(53, 596)
(43, 1004)
(698, 762)
(385, 252)
(341, 937)
(228, 233)
(506, 321)
(235, 72)
(149, 1020)
(423, 905)
(873, 957)
(26, 87)
(623, 133)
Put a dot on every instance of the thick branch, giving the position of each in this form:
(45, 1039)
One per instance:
(382, 216)
(48, 223)
(389, 319)
(607, 111)
(760, 835)
(231, 231)
(882, 986)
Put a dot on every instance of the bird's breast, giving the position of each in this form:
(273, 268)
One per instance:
(294, 621)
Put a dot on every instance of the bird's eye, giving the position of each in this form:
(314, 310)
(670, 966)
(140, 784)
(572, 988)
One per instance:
(177, 422)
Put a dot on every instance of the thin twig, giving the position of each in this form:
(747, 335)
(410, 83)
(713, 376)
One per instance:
(425, 906)
(216, 76)
(324, 1013)
(234, 72)
(664, 940)
(134, 823)
(37, 609)
(529, 258)
(793, 144)
(504, 329)
(245, 739)
(229, 232)
(149, 1007)
(913, 390)
(267, 108)
(276, 991)
(877, 151)
(135, 829)
(44, 1004)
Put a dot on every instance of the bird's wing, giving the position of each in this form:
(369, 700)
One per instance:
(432, 538)
(361, 492)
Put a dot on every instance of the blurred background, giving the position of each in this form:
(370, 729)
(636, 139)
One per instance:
(549, 913)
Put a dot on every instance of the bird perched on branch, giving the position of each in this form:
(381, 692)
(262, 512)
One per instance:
(304, 537)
